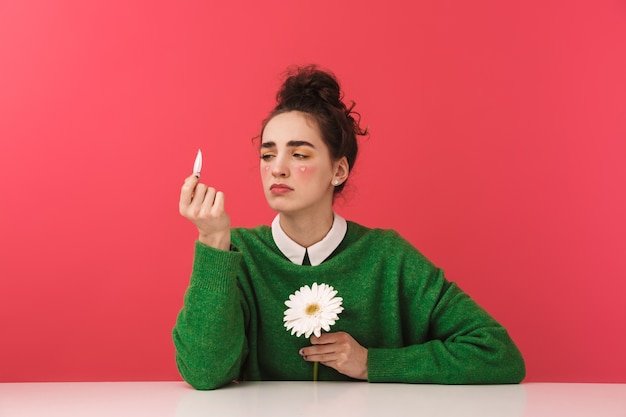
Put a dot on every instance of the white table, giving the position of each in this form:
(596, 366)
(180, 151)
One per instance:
(278, 399)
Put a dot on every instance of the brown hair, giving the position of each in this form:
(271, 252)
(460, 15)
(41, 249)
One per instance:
(317, 93)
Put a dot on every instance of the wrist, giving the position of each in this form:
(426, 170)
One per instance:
(216, 240)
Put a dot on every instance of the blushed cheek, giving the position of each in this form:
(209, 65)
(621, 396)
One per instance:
(306, 171)
(265, 172)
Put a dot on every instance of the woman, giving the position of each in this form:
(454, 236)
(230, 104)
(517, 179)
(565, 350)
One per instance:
(402, 320)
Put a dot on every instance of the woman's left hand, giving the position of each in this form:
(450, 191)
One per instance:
(339, 351)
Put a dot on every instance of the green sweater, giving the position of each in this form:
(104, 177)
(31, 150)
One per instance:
(417, 326)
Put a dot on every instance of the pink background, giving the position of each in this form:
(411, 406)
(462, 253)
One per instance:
(498, 145)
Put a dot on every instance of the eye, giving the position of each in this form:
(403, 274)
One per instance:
(300, 156)
(267, 156)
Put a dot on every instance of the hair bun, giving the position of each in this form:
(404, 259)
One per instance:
(310, 87)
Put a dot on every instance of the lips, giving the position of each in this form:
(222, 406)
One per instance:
(280, 188)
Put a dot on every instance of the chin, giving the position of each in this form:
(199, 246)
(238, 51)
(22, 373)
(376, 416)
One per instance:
(283, 207)
(277, 205)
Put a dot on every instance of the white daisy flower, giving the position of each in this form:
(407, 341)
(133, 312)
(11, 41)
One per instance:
(312, 309)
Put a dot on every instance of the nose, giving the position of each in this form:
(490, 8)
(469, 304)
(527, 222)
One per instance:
(280, 168)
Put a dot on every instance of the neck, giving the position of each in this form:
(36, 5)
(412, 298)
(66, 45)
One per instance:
(309, 230)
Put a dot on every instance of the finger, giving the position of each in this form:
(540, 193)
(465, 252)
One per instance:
(317, 350)
(197, 199)
(218, 204)
(315, 340)
(326, 358)
(195, 206)
(326, 338)
(208, 200)
(187, 192)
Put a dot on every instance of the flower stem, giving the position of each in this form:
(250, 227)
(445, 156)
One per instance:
(315, 370)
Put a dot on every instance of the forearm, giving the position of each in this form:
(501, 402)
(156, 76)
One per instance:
(486, 357)
(209, 334)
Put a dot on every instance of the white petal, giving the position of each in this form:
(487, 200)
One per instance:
(299, 322)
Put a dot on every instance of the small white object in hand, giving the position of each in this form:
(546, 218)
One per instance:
(197, 165)
(312, 309)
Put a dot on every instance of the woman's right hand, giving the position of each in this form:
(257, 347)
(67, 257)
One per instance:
(204, 207)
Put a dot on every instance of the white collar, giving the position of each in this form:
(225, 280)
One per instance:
(317, 252)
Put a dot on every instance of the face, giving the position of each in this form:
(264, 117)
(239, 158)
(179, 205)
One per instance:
(296, 168)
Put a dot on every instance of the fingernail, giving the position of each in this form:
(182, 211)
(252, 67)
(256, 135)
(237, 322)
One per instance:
(301, 352)
(197, 175)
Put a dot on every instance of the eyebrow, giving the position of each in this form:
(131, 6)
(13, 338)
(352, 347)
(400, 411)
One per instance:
(291, 144)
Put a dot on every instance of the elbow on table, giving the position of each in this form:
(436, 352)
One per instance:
(518, 370)
(203, 379)
(500, 363)
(505, 360)
(203, 382)
(511, 369)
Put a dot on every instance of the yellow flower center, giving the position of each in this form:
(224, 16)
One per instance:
(312, 309)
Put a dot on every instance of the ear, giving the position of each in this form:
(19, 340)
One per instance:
(341, 170)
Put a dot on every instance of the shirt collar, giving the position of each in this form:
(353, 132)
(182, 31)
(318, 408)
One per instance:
(317, 252)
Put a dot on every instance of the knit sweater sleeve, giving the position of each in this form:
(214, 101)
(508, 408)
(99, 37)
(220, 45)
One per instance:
(209, 335)
(464, 344)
